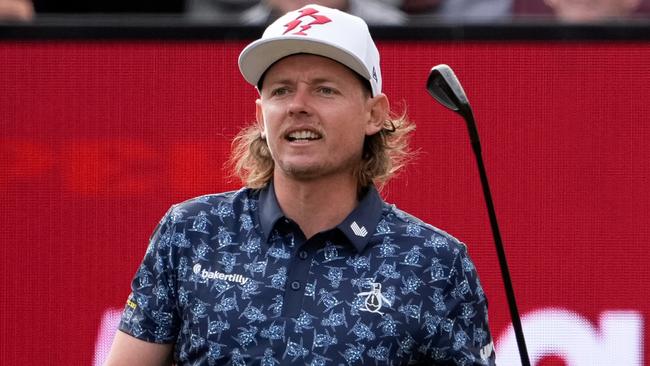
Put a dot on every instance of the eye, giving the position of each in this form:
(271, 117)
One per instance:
(279, 91)
(326, 90)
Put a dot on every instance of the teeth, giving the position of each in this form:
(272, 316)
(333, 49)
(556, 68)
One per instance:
(303, 135)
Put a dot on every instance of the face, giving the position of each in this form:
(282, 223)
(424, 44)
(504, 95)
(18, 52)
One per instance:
(315, 114)
(591, 10)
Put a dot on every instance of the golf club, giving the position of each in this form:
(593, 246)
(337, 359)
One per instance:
(446, 89)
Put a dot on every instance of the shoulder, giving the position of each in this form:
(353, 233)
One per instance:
(222, 205)
(204, 214)
(403, 225)
(197, 220)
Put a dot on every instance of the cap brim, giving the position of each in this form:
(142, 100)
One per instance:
(261, 54)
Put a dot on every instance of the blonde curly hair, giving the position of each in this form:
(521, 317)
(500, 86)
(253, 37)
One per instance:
(384, 153)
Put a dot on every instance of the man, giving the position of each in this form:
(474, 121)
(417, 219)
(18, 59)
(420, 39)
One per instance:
(16, 10)
(585, 11)
(307, 265)
(256, 12)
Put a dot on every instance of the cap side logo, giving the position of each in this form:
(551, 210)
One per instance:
(306, 12)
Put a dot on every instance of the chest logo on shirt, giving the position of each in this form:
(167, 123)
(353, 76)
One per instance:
(374, 299)
(216, 275)
(358, 230)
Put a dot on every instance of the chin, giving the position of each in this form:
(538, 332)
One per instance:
(303, 173)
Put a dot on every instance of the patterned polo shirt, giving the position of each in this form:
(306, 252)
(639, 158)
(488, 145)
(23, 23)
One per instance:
(232, 281)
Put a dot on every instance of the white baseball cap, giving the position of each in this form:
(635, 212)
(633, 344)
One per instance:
(316, 30)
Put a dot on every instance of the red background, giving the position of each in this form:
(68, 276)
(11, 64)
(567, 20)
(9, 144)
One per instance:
(100, 138)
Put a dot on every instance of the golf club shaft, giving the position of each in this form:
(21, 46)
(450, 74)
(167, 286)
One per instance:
(501, 254)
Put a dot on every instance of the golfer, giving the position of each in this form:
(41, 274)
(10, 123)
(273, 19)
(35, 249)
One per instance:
(306, 264)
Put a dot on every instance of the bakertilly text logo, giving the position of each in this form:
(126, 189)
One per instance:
(207, 274)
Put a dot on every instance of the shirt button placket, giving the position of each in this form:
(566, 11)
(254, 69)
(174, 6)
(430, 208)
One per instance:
(297, 281)
(303, 255)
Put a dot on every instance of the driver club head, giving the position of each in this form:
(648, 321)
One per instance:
(443, 85)
(446, 89)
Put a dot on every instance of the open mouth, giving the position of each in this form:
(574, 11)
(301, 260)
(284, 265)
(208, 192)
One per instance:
(303, 135)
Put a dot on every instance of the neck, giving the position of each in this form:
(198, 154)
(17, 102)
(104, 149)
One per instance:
(316, 205)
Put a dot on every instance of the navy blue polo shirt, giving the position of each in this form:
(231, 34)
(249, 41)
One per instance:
(232, 281)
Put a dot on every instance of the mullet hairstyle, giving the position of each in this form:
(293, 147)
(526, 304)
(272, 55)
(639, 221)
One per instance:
(384, 153)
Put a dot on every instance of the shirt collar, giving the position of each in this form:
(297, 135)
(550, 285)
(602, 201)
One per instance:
(269, 210)
(358, 227)
(360, 224)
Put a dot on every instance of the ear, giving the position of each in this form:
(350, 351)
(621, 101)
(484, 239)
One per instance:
(259, 117)
(379, 111)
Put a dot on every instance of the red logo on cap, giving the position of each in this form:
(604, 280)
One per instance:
(306, 12)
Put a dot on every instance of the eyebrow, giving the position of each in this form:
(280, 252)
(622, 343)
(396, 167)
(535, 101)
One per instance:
(319, 80)
(367, 89)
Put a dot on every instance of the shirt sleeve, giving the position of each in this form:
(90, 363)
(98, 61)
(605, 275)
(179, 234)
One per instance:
(457, 316)
(150, 313)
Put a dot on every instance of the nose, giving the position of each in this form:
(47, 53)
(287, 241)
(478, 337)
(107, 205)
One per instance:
(300, 102)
